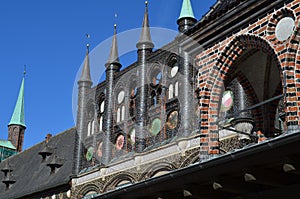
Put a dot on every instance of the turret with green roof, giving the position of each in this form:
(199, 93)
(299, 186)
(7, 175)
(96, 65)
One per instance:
(186, 18)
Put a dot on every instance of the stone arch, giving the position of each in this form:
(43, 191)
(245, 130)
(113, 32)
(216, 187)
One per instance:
(88, 188)
(111, 184)
(214, 83)
(155, 168)
(155, 69)
(192, 158)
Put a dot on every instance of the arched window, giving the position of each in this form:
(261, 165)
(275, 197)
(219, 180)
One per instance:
(93, 127)
(101, 113)
(123, 113)
(171, 91)
(120, 106)
(118, 115)
(101, 124)
(176, 89)
(132, 100)
(89, 129)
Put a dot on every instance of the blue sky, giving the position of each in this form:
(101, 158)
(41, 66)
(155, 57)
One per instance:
(49, 37)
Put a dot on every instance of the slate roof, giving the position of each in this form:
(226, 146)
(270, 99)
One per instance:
(32, 175)
(219, 9)
(223, 6)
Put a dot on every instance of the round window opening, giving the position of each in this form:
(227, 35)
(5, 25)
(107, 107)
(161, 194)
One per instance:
(172, 120)
(121, 97)
(284, 28)
(174, 70)
(227, 100)
(155, 126)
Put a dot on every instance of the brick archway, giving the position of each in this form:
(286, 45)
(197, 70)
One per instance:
(210, 93)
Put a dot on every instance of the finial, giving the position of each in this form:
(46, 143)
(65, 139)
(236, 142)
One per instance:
(115, 20)
(88, 45)
(146, 3)
(24, 72)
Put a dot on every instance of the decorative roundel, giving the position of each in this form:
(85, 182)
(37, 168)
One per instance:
(132, 136)
(89, 154)
(227, 101)
(285, 28)
(120, 142)
(172, 120)
(174, 70)
(155, 126)
(121, 96)
(102, 106)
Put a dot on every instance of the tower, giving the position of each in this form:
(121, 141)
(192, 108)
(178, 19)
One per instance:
(186, 18)
(185, 21)
(84, 87)
(144, 47)
(112, 66)
(16, 126)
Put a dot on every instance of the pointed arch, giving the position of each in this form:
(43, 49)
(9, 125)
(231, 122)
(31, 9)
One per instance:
(215, 81)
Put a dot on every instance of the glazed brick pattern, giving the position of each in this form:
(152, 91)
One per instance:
(214, 65)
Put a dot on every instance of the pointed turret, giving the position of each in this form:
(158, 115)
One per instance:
(112, 66)
(113, 58)
(16, 126)
(86, 72)
(145, 41)
(145, 47)
(186, 18)
(84, 88)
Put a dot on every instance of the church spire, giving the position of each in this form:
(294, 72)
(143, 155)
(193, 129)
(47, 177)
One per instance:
(18, 117)
(145, 38)
(114, 55)
(86, 73)
(186, 18)
(16, 126)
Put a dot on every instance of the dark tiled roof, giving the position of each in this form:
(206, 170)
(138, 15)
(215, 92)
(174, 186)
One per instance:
(32, 175)
(220, 8)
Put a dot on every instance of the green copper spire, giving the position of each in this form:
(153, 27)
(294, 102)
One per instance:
(18, 116)
(186, 10)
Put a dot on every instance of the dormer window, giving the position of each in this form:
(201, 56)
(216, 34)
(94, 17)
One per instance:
(55, 164)
(45, 152)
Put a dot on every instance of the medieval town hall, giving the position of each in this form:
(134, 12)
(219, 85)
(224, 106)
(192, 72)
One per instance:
(212, 114)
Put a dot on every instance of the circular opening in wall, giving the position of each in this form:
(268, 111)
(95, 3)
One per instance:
(284, 28)
(174, 70)
(121, 96)
(155, 126)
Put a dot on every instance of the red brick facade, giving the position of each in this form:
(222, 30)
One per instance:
(216, 62)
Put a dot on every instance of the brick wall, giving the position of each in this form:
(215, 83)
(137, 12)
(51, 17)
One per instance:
(216, 63)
